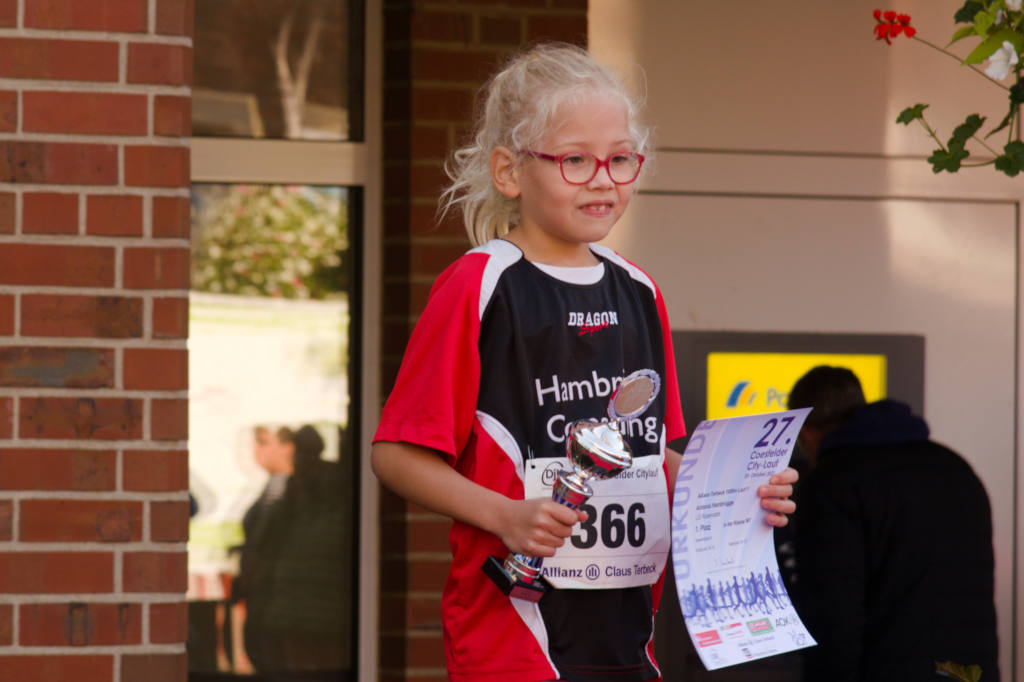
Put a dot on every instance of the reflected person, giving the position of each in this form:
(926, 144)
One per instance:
(291, 574)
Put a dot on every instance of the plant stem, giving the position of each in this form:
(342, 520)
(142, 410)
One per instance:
(982, 143)
(932, 133)
(972, 67)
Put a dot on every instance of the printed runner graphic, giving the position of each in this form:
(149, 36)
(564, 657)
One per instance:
(731, 592)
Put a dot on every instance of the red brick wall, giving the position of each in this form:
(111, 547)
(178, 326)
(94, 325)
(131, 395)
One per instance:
(94, 177)
(437, 54)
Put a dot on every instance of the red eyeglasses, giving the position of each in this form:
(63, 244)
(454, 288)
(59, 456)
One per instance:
(579, 168)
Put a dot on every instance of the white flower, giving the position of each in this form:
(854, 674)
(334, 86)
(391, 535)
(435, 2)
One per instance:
(1014, 5)
(1000, 62)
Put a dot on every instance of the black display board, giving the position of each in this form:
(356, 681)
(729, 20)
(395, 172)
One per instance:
(904, 355)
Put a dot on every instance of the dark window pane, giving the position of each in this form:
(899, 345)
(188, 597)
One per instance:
(276, 68)
(272, 548)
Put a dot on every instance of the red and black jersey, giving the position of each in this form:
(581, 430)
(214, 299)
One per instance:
(506, 355)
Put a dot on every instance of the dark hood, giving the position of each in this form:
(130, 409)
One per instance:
(885, 422)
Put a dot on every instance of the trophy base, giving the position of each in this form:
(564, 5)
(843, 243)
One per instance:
(517, 589)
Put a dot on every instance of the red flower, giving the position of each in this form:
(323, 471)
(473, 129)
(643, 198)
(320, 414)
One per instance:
(890, 24)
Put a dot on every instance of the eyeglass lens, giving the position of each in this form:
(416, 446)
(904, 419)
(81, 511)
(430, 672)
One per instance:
(581, 168)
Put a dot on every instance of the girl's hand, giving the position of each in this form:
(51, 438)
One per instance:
(537, 527)
(775, 497)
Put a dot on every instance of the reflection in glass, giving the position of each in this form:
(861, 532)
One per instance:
(274, 68)
(272, 540)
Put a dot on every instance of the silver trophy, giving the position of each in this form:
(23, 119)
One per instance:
(596, 450)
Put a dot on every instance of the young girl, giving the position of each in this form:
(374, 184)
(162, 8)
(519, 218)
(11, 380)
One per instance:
(524, 334)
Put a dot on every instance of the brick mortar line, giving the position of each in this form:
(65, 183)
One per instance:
(147, 536)
(122, 141)
(120, 256)
(119, 468)
(82, 200)
(76, 343)
(91, 342)
(122, 62)
(92, 240)
(20, 112)
(95, 291)
(81, 35)
(17, 315)
(148, 318)
(147, 218)
(15, 521)
(35, 392)
(15, 625)
(151, 120)
(15, 419)
(99, 446)
(122, 172)
(119, 386)
(19, 211)
(17, 650)
(97, 496)
(147, 598)
(118, 581)
(101, 87)
(179, 192)
(117, 548)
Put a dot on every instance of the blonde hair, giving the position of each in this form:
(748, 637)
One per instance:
(518, 107)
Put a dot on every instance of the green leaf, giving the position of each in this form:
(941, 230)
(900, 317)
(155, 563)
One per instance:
(1016, 99)
(1002, 124)
(987, 47)
(1017, 93)
(1012, 162)
(967, 129)
(950, 160)
(983, 22)
(962, 32)
(911, 113)
(965, 14)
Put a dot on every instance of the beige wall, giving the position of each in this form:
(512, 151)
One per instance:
(785, 198)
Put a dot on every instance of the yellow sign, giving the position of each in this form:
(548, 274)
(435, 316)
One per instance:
(752, 383)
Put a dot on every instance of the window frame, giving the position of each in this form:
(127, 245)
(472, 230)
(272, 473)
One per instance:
(354, 164)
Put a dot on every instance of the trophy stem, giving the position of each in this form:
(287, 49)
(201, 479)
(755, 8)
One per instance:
(571, 490)
(523, 567)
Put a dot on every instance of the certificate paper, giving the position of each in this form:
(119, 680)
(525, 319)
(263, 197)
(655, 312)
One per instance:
(727, 577)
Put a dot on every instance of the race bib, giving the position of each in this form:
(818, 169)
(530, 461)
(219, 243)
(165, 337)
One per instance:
(625, 540)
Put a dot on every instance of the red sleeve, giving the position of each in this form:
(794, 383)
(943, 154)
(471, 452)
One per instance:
(675, 427)
(433, 402)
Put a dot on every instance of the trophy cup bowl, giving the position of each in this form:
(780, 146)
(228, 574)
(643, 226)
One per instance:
(597, 451)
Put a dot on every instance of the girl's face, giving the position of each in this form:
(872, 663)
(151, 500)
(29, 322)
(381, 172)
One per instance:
(558, 220)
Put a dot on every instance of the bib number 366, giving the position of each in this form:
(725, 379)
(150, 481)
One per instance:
(614, 526)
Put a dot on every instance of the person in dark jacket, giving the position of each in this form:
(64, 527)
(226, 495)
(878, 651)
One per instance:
(893, 542)
(297, 598)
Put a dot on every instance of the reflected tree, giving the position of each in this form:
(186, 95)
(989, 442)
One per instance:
(269, 240)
